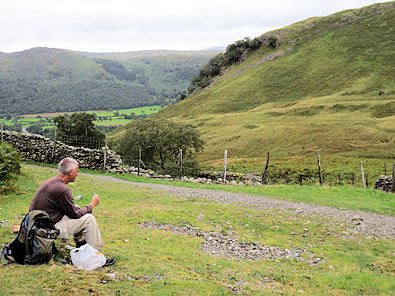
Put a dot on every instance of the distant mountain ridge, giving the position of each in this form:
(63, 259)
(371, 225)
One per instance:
(149, 53)
(53, 80)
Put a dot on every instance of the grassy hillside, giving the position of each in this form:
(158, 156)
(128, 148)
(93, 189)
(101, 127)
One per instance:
(327, 87)
(53, 80)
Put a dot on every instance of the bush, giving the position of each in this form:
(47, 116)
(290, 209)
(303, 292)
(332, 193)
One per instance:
(383, 110)
(9, 165)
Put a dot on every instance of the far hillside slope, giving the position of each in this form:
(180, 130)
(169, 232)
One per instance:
(52, 80)
(43, 80)
(327, 87)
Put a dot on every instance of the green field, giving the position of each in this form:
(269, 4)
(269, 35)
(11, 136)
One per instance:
(105, 117)
(158, 262)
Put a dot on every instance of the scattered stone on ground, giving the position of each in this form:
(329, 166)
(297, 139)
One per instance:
(219, 245)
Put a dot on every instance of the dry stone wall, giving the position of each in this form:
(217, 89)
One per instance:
(41, 149)
(384, 183)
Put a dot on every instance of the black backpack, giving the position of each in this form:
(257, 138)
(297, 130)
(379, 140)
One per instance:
(35, 241)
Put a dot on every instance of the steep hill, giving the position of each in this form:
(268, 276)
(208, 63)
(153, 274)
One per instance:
(325, 85)
(51, 80)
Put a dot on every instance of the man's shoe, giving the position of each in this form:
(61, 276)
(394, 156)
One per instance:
(80, 244)
(109, 262)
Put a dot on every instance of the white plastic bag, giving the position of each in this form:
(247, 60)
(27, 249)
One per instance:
(87, 257)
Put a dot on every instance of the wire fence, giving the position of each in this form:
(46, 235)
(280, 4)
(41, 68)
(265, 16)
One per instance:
(87, 142)
(276, 173)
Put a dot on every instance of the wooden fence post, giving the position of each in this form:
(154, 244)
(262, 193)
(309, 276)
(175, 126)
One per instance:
(265, 174)
(180, 157)
(363, 176)
(105, 156)
(352, 179)
(138, 166)
(53, 146)
(319, 169)
(225, 160)
(393, 178)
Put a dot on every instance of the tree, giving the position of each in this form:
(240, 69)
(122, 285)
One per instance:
(160, 141)
(9, 165)
(79, 125)
(35, 128)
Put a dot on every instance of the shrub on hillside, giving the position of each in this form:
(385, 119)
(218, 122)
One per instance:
(384, 110)
(9, 165)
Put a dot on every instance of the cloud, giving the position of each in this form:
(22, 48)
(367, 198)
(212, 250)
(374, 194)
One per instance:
(120, 25)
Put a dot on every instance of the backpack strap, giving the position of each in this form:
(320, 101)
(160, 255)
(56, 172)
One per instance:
(6, 253)
(25, 224)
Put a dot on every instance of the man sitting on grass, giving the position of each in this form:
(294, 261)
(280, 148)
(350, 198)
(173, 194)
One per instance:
(55, 198)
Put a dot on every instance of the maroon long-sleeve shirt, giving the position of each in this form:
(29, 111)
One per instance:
(55, 198)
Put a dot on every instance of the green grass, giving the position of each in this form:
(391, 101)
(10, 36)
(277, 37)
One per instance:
(347, 197)
(113, 119)
(176, 265)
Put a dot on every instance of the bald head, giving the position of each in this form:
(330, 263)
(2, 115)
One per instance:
(67, 165)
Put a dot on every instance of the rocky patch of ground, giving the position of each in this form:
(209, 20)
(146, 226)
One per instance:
(224, 246)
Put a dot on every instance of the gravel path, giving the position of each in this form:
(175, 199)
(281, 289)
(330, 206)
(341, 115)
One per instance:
(371, 224)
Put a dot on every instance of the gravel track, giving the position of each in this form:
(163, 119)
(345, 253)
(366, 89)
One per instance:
(359, 222)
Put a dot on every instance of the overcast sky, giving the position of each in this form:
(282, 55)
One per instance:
(122, 25)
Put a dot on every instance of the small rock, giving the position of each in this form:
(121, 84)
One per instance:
(158, 276)
(200, 217)
(112, 275)
(78, 197)
(356, 218)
